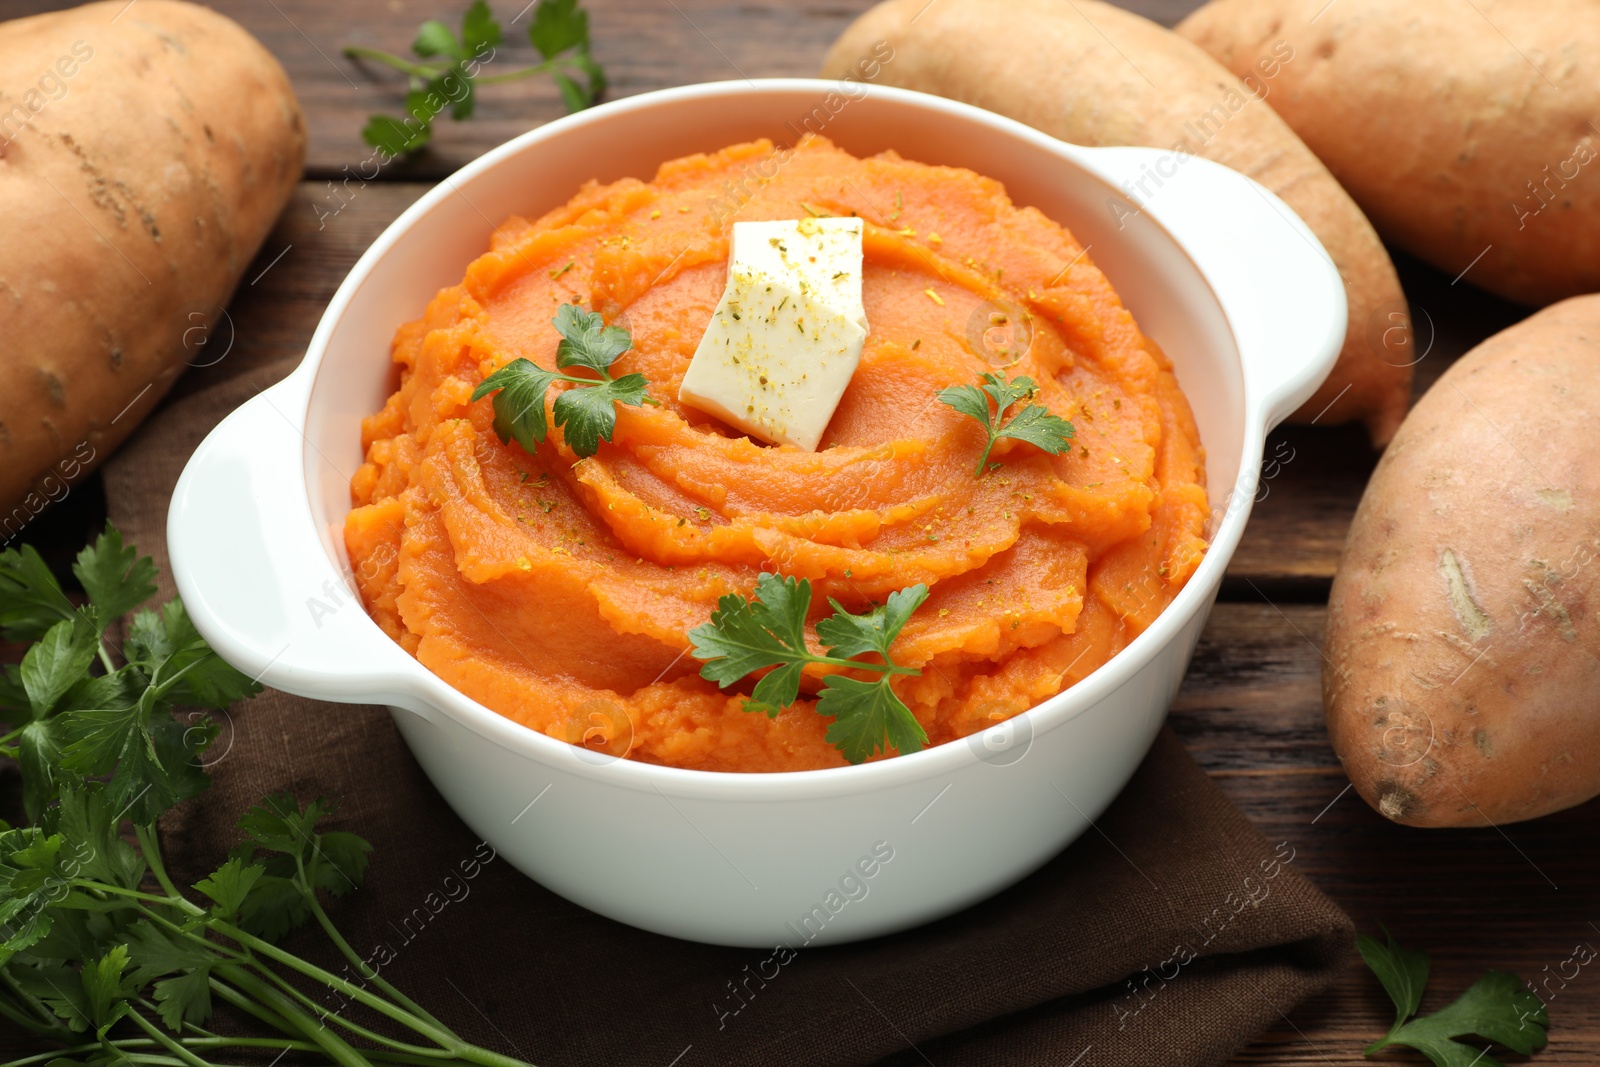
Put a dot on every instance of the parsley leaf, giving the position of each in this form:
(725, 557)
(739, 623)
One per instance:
(1402, 971)
(560, 33)
(115, 576)
(57, 661)
(589, 415)
(864, 715)
(279, 824)
(434, 38)
(86, 818)
(519, 404)
(171, 650)
(29, 874)
(105, 989)
(39, 754)
(229, 884)
(275, 905)
(586, 340)
(558, 25)
(155, 951)
(452, 62)
(121, 742)
(59, 989)
(852, 635)
(333, 860)
(480, 31)
(185, 998)
(1497, 1007)
(30, 599)
(746, 634)
(394, 136)
(1033, 424)
(587, 412)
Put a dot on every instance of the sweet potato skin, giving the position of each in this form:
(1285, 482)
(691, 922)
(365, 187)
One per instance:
(1478, 143)
(1462, 671)
(1095, 74)
(143, 159)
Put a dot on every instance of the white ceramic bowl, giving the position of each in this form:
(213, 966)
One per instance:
(1216, 269)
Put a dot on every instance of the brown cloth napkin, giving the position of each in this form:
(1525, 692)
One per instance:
(1170, 933)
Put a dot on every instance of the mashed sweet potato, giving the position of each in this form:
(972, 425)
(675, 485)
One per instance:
(559, 591)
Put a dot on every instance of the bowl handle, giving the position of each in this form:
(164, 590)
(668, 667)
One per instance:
(250, 565)
(1282, 293)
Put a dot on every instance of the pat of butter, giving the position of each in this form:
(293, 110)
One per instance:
(786, 336)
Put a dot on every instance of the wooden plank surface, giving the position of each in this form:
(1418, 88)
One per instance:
(1518, 898)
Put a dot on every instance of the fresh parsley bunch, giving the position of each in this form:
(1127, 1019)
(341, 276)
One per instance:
(1496, 1007)
(1033, 424)
(450, 63)
(100, 952)
(587, 412)
(747, 634)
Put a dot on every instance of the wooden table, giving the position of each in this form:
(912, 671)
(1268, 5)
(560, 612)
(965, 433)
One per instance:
(1250, 711)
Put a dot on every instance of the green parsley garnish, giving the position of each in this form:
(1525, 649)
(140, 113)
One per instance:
(587, 412)
(101, 954)
(449, 72)
(746, 634)
(1497, 1007)
(1033, 424)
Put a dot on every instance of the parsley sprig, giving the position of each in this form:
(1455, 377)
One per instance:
(101, 953)
(1496, 1007)
(448, 72)
(748, 634)
(587, 412)
(1033, 424)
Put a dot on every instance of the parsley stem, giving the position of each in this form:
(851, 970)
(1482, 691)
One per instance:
(447, 1048)
(277, 1022)
(117, 890)
(335, 1046)
(166, 1042)
(428, 71)
(881, 668)
(526, 72)
(416, 70)
(558, 376)
(12, 736)
(126, 1043)
(983, 460)
(443, 1038)
(47, 1017)
(431, 1054)
(189, 935)
(185, 1027)
(152, 856)
(362, 968)
(245, 1004)
(22, 1019)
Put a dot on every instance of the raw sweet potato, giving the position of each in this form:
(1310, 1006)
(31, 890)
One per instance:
(1094, 74)
(145, 151)
(1463, 643)
(1465, 131)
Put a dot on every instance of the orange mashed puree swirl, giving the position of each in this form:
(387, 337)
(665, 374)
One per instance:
(559, 592)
